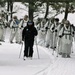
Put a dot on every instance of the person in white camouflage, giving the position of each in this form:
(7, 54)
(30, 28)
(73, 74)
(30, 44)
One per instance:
(14, 29)
(66, 34)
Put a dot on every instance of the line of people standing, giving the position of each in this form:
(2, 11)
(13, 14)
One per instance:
(58, 36)
(15, 26)
(22, 30)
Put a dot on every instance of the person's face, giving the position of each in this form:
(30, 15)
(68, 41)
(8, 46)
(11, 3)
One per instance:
(25, 18)
(66, 24)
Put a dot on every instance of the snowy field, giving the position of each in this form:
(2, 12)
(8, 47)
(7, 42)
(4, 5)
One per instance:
(48, 64)
(11, 64)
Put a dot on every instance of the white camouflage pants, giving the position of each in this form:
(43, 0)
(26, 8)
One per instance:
(14, 34)
(2, 34)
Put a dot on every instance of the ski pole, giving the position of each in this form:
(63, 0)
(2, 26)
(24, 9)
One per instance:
(21, 50)
(53, 43)
(57, 48)
(37, 48)
(72, 48)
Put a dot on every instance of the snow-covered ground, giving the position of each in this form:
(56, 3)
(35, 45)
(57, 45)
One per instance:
(11, 64)
(48, 64)
(61, 66)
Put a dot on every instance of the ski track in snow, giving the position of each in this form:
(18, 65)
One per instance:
(10, 64)
(61, 66)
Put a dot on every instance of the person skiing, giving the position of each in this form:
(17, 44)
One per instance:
(22, 24)
(59, 40)
(54, 33)
(14, 29)
(42, 32)
(23, 21)
(49, 33)
(66, 34)
(28, 35)
(2, 29)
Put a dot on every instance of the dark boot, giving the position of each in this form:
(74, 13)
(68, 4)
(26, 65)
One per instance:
(60, 53)
(47, 46)
(64, 55)
(11, 42)
(0, 44)
(68, 56)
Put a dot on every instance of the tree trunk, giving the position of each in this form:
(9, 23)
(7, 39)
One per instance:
(66, 11)
(11, 9)
(31, 11)
(47, 9)
(8, 4)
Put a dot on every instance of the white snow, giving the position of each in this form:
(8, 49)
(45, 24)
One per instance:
(48, 64)
(11, 64)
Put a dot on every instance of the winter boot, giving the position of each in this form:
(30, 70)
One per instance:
(68, 56)
(60, 53)
(0, 44)
(64, 55)
(24, 58)
(47, 46)
(11, 42)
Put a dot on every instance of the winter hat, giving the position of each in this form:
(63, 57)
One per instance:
(30, 23)
(15, 17)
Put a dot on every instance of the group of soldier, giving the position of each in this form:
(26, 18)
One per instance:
(15, 25)
(57, 35)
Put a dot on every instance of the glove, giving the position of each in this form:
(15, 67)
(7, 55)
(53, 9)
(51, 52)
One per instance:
(22, 39)
(22, 26)
(12, 26)
(5, 26)
(46, 28)
(72, 32)
(55, 30)
(60, 36)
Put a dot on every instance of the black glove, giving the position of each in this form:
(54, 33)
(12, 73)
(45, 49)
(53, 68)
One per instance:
(55, 30)
(22, 26)
(22, 39)
(46, 28)
(72, 32)
(12, 26)
(5, 26)
(60, 36)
